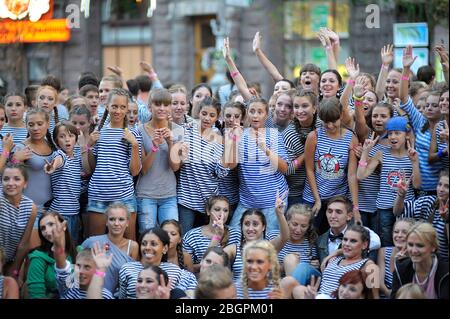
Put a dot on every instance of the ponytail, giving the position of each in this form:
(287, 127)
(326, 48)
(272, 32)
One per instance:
(102, 121)
(56, 116)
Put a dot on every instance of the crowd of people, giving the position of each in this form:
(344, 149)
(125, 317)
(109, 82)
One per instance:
(325, 189)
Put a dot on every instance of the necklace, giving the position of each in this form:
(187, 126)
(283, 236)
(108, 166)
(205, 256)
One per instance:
(425, 281)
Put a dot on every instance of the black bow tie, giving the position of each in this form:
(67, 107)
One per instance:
(334, 237)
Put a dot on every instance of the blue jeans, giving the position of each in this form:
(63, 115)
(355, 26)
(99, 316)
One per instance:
(386, 220)
(100, 206)
(294, 200)
(151, 212)
(269, 213)
(370, 220)
(303, 273)
(73, 224)
(187, 217)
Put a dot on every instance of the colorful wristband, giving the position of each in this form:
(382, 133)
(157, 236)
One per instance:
(360, 99)
(6, 153)
(355, 207)
(351, 81)
(155, 148)
(386, 67)
(233, 74)
(405, 78)
(296, 163)
(362, 164)
(216, 238)
(100, 273)
(15, 273)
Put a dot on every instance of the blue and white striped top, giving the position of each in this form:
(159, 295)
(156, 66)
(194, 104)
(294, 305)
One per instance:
(387, 267)
(195, 243)
(333, 273)
(259, 179)
(368, 187)
(66, 185)
(331, 159)
(391, 170)
(19, 134)
(66, 292)
(424, 208)
(253, 294)
(442, 145)
(112, 180)
(129, 272)
(13, 222)
(84, 178)
(201, 172)
(307, 253)
(2, 280)
(229, 186)
(428, 172)
(295, 148)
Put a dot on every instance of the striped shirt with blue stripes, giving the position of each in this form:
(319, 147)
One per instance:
(253, 294)
(428, 172)
(387, 267)
(74, 292)
(424, 208)
(442, 145)
(229, 187)
(19, 134)
(201, 172)
(13, 222)
(66, 185)
(195, 243)
(331, 159)
(112, 178)
(304, 249)
(391, 170)
(259, 179)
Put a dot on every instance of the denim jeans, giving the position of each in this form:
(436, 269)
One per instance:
(190, 218)
(294, 200)
(303, 273)
(73, 224)
(152, 212)
(370, 220)
(269, 213)
(386, 226)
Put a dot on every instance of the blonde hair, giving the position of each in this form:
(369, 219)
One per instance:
(304, 210)
(213, 278)
(410, 291)
(426, 232)
(274, 274)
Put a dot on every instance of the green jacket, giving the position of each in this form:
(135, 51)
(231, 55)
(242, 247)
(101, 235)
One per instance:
(41, 280)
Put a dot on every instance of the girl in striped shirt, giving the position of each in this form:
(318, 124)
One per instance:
(46, 99)
(15, 110)
(116, 158)
(397, 162)
(65, 175)
(180, 105)
(261, 272)
(176, 255)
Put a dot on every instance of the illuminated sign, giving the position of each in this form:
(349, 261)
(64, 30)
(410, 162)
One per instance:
(19, 9)
(55, 30)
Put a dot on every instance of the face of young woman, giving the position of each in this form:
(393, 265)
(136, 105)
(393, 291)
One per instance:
(281, 86)
(161, 111)
(118, 108)
(418, 249)
(420, 106)
(211, 259)
(46, 226)
(199, 95)
(46, 100)
(298, 226)
(174, 234)
(257, 265)
(380, 116)
(370, 100)
(66, 140)
(329, 84)
(2, 118)
(397, 139)
(442, 188)
(132, 114)
(37, 126)
(220, 209)
(309, 80)
(208, 116)
(304, 110)
(252, 227)
(283, 109)
(443, 103)
(352, 244)
(117, 221)
(393, 84)
(81, 122)
(93, 99)
(147, 284)
(232, 116)
(15, 108)
(401, 228)
(257, 115)
(103, 91)
(351, 291)
(152, 249)
(13, 182)
(332, 127)
(432, 110)
(179, 106)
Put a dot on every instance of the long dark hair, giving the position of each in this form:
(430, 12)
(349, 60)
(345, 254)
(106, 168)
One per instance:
(249, 212)
(180, 254)
(161, 234)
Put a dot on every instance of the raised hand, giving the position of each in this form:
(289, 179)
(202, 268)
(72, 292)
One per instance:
(352, 68)
(50, 167)
(387, 54)
(163, 290)
(129, 137)
(146, 67)
(312, 288)
(369, 143)
(218, 224)
(23, 154)
(93, 138)
(333, 36)
(8, 142)
(257, 42)
(116, 70)
(408, 58)
(58, 232)
(412, 153)
(443, 211)
(360, 87)
(101, 258)
(324, 39)
(226, 48)
(443, 55)
(279, 202)
(403, 184)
